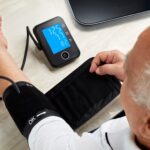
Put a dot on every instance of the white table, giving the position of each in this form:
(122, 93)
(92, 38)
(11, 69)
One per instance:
(120, 34)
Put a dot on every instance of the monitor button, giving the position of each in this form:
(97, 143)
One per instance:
(65, 55)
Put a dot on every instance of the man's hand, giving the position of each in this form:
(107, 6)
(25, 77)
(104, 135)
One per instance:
(114, 62)
(3, 41)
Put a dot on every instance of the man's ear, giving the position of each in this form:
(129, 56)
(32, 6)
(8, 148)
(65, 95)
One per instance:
(145, 130)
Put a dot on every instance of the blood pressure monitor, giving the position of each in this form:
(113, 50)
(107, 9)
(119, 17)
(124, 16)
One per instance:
(56, 41)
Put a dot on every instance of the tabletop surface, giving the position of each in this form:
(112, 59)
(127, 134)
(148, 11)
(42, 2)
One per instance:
(17, 14)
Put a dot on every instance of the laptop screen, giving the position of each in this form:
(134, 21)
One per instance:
(90, 12)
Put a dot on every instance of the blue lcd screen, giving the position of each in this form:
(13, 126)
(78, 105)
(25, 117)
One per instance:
(56, 38)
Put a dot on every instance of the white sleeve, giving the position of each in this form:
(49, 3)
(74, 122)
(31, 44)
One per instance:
(53, 133)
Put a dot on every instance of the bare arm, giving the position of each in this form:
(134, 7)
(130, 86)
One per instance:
(8, 66)
(9, 69)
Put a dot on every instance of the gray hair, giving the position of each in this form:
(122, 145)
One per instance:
(141, 91)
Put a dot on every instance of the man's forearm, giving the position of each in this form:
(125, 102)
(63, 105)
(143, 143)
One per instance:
(9, 69)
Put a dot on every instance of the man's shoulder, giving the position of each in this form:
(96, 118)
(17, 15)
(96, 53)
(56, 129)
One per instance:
(113, 132)
(115, 125)
(118, 131)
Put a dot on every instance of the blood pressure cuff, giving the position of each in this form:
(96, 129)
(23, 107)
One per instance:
(76, 99)
(82, 94)
(28, 107)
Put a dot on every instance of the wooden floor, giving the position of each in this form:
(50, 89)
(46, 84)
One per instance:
(17, 14)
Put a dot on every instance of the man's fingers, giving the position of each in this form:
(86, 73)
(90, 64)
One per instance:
(93, 67)
(108, 57)
(106, 69)
(94, 64)
(100, 57)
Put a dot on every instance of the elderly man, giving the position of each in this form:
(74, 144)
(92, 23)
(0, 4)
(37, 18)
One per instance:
(50, 132)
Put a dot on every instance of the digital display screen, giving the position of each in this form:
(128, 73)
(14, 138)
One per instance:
(56, 38)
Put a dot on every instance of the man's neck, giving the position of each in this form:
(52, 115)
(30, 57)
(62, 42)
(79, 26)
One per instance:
(141, 146)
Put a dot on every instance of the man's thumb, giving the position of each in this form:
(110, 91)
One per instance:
(106, 69)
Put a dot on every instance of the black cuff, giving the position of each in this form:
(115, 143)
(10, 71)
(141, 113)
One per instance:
(27, 104)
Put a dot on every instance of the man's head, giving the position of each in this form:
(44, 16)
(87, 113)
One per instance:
(135, 93)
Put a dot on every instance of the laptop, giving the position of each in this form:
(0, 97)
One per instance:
(90, 12)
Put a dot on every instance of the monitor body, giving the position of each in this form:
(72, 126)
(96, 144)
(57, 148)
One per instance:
(90, 12)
